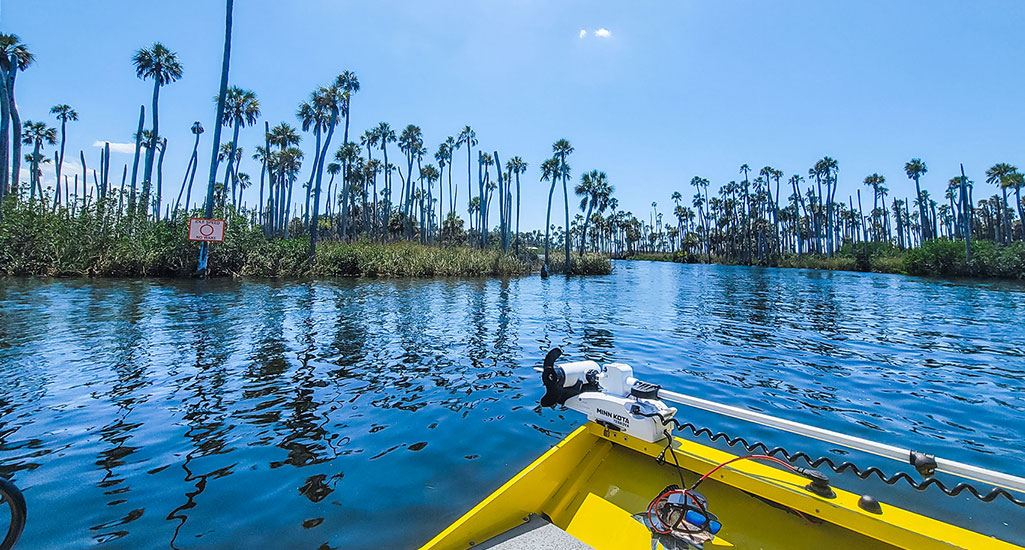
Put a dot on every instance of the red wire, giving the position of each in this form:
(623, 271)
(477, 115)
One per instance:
(653, 505)
(758, 457)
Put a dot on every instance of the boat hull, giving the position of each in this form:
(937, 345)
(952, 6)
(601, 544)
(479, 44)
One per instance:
(595, 483)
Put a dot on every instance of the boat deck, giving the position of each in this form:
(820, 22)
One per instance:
(535, 534)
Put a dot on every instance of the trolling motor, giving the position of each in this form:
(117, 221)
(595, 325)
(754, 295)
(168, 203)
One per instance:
(609, 395)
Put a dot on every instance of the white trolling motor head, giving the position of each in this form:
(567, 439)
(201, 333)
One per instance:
(609, 395)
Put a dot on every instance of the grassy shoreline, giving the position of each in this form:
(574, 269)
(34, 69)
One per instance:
(38, 242)
(936, 258)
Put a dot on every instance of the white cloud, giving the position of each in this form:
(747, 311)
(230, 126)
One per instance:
(602, 33)
(583, 33)
(70, 169)
(126, 148)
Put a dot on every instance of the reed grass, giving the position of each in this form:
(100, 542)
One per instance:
(36, 240)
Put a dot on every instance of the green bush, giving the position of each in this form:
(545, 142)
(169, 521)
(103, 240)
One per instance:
(36, 241)
(947, 258)
(587, 264)
(405, 259)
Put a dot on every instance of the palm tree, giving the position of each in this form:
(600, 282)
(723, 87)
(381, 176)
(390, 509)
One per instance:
(676, 198)
(221, 96)
(332, 96)
(190, 170)
(484, 162)
(313, 114)
(444, 158)
(63, 113)
(469, 137)
(37, 134)
(451, 145)
(244, 182)
(701, 203)
(1017, 180)
(288, 163)
(386, 135)
(549, 172)
(516, 166)
(241, 109)
(827, 168)
(875, 181)
(346, 85)
(562, 148)
(348, 154)
(410, 143)
(914, 169)
(332, 170)
(430, 174)
(595, 190)
(162, 65)
(14, 56)
(997, 175)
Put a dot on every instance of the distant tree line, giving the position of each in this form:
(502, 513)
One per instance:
(759, 218)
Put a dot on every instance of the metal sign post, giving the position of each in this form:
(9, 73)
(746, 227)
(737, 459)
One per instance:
(206, 231)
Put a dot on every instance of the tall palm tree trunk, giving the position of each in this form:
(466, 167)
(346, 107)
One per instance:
(320, 173)
(587, 218)
(33, 179)
(60, 163)
(229, 170)
(469, 189)
(287, 218)
(517, 236)
(151, 150)
(483, 207)
(160, 178)
(451, 198)
(502, 206)
(548, 219)
(345, 168)
(387, 189)
(204, 251)
(1021, 210)
(1006, 220)
(565, 197)
(135, 162)
(265, 170)
(191, 169)
(15, 127)
(313, 175)
(923, 218)
(5, 132)
(441, 196)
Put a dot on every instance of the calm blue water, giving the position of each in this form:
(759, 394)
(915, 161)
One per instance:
(370, 414)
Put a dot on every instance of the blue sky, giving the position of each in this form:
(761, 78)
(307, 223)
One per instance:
(675, 89)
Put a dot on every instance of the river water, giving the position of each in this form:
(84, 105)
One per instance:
(371, 413)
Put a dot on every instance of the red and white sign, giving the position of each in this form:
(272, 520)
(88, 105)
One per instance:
(201, 229)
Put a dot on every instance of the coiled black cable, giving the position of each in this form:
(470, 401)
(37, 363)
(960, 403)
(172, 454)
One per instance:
(844, 467)
(16, 502)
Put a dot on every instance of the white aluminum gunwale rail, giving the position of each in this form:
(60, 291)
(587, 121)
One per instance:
(967, 471)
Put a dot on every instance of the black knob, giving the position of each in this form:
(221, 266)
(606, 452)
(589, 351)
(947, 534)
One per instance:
(868, 503)
(819, 483)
